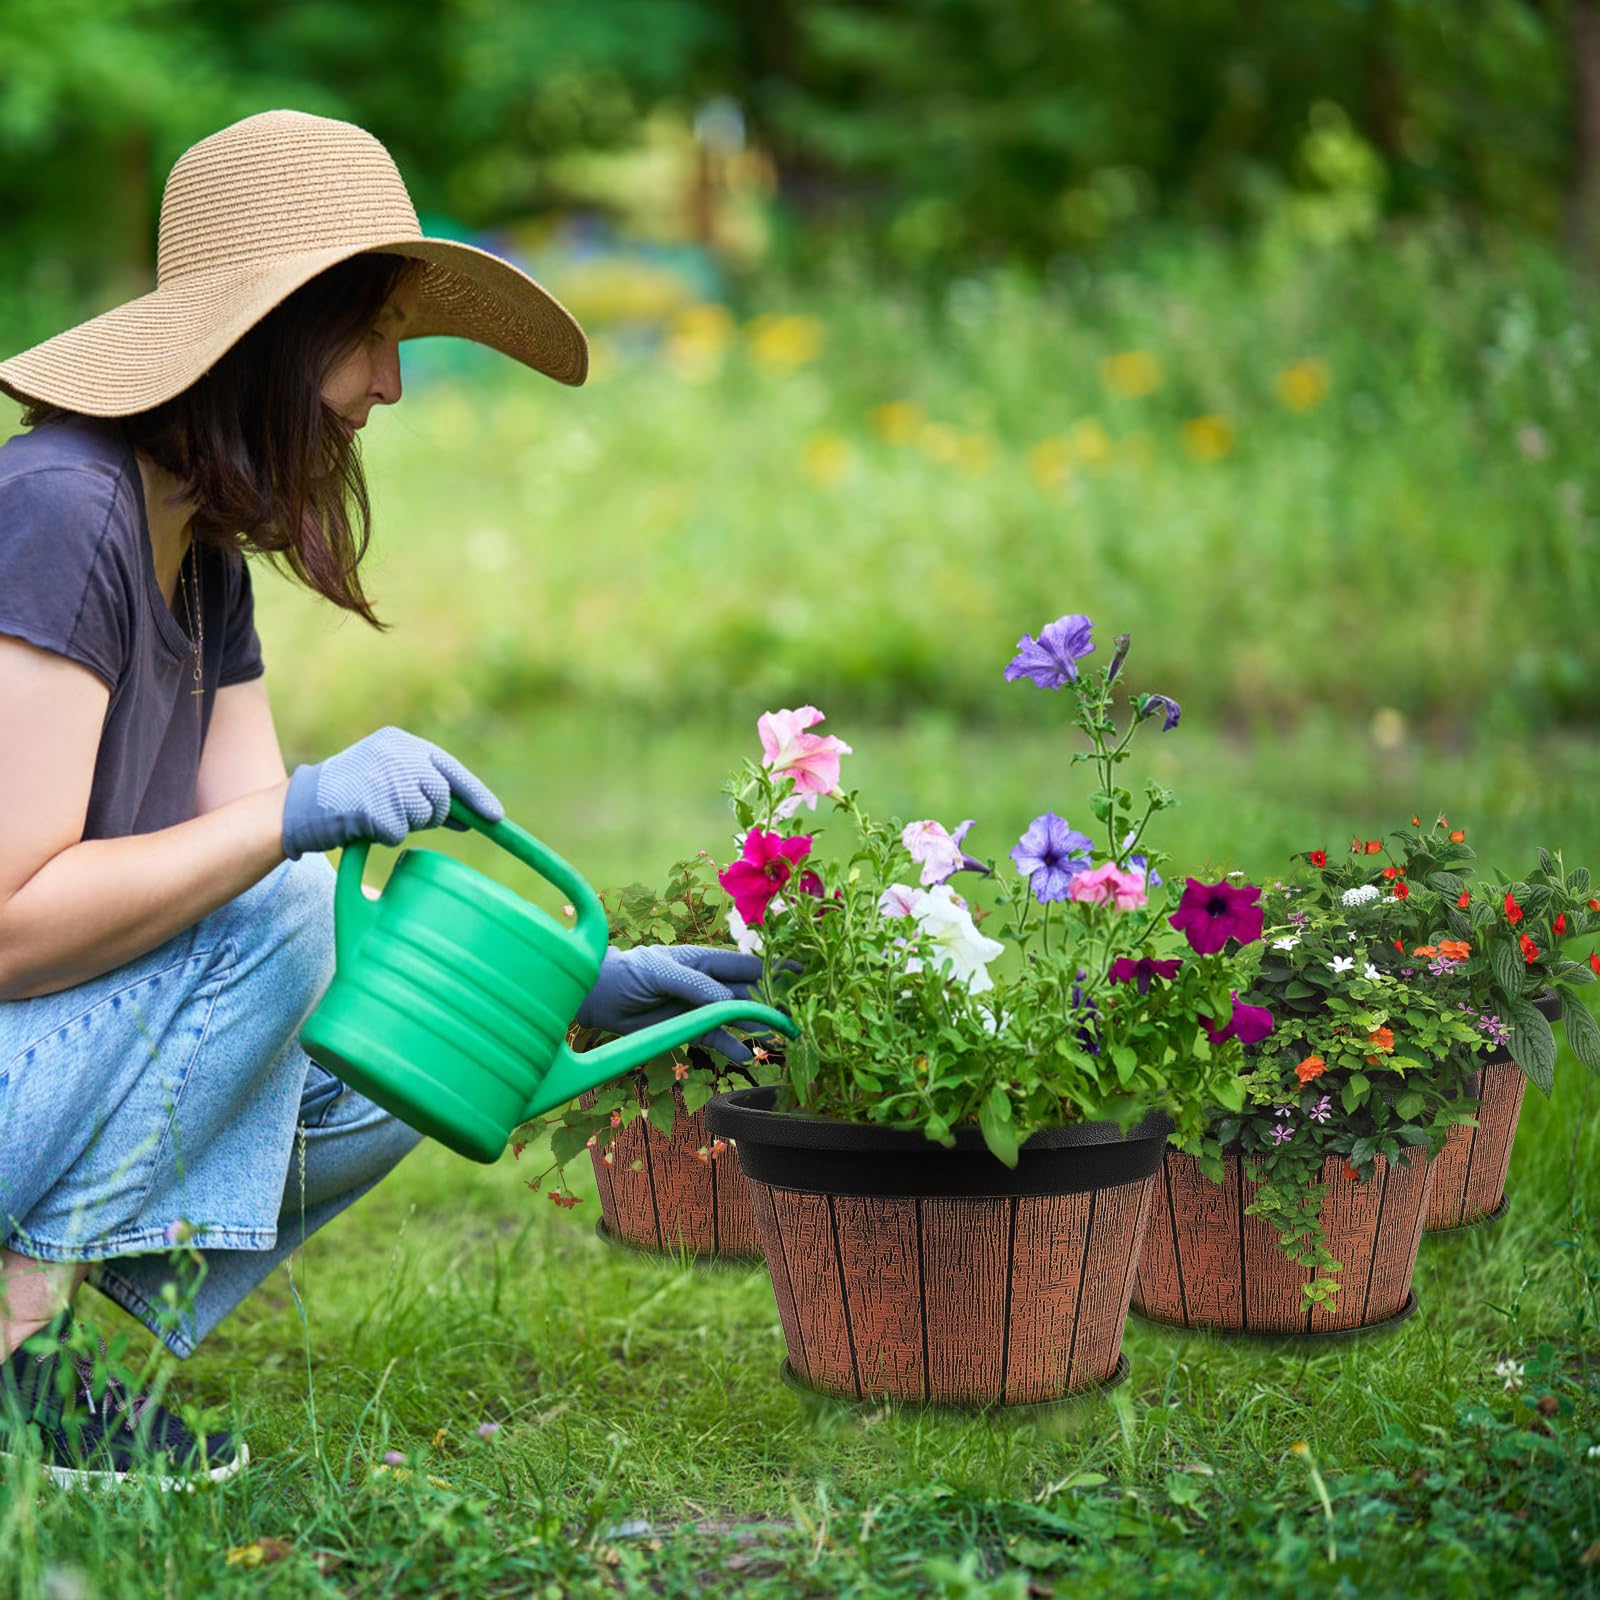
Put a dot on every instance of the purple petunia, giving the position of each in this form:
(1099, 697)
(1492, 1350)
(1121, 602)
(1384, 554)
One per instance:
(1118, 658)
(1126, 970)
(1141, 864)
(1051, 660)
(1248, 1024)
(1050, 855)
(1209, 914)
(1166, 705)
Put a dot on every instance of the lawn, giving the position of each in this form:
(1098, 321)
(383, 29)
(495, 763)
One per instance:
(1373, 601)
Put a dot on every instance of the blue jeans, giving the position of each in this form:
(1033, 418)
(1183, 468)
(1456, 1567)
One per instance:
(170, 1102)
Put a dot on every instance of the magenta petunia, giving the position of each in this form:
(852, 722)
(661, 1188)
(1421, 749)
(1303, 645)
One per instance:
(1126, 970)
(1248, 1024)
(764, 866)
(1209, 914)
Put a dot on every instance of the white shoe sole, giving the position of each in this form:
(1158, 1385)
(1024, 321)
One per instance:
(73, 1478)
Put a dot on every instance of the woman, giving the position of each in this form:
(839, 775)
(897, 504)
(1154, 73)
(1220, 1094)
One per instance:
(165, 913)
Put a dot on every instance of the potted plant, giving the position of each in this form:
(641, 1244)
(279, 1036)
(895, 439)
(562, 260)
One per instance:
(953, 1175)
(667, 1185)
(1302, 1211)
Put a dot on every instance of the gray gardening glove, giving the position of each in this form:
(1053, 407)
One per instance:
(657, 981)
(381, 788)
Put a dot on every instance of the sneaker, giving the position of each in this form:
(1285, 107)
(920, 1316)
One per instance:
(99, 1433)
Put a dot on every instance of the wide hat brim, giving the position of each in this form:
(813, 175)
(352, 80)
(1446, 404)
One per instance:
(143, 353)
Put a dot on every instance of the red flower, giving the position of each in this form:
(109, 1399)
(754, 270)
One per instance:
(1559, 926)
(1311, 1067)
(1416, 822)
(1402, 890)
(1513, 910)
(1594, 905)
(1400, 947)
(1530, 951)
(1374, 846)
(567, 1201)
(1594, 961)
(1350, 1172)
(1465, 899)
(762, 870)
(1318, 858)
(1459, 836)
(1391, 872)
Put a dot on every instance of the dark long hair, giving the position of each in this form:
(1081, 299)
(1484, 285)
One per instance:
(268, 467)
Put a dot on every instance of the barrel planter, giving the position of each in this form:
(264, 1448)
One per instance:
(909, 1272)
(1469, 1185)
(1206, 1264)
(675, 1201)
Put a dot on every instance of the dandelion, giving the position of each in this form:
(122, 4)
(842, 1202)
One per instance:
(783, 343)
(1303, 385)
(1208, 438)
(896, 422)
(1131, 373)
(1322, 1110)
(1362, 895)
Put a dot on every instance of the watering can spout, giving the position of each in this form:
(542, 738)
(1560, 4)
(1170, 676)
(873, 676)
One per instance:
(572, 1073)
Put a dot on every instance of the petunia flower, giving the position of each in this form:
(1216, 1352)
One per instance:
(1248, 1024)
(1051, 660)
(763, 868)
(1209, 914)
(1050, 855)
(745, 937)
(810, 759)
(959, 950)
(1141, 972)
(1118, 658)
(1141, 864)
(1166, 705)
(900, 900)
(1109, 885)
(938, 850)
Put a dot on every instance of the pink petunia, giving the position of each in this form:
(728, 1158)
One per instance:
(1109, 885)
(810, 759)
(764, 866)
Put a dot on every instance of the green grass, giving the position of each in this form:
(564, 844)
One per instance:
(632, 1391)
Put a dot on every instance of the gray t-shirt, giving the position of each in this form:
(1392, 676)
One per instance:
(77, 578)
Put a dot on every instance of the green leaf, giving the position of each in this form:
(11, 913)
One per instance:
(1578, 883)
(1450, 883)
(1408, 1105)
(1127, 1062)
(696, 1094)
(1573, 972)
(566, 1144)
(1354, 1091)
(662, 1114)
(994, 1118)
(1230, 1095)
(1533, 1044)
(1509, 967)
(1583, 1033)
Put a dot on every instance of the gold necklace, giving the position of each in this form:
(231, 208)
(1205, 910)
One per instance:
(197, 630)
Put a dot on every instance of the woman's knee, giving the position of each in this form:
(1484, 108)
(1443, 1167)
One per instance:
(284, 927)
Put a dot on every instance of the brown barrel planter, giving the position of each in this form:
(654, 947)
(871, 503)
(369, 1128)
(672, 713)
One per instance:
(1469, 1185)
(674, 1202)
(905, 1271)
(1207, 1265)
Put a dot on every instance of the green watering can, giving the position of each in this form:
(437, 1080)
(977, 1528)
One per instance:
(452, 996)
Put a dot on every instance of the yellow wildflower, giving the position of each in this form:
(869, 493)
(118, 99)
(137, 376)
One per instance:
(1050, 463)
(697, 339)
(1133, 373)
(896, 422)
(1089, 443)
(974, 454)
(1208, 438)
(785, 342)
(827, 459)
(1303, 385)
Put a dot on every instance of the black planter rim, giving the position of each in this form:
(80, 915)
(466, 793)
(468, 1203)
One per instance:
(1487, 1220)
(827, 1155)
(996, 1412)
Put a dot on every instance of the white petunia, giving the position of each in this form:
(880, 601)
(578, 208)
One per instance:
(900, 900)
(1363, 894)
(1341, 963)
(959, 950)
(748, 940)
(1287, 943)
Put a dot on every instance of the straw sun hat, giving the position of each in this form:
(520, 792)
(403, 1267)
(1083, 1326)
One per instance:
(248, 216)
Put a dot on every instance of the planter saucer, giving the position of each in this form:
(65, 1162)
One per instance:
(841, 1402)
(695, 1258)
(1486, 1221)
(1277, 1336)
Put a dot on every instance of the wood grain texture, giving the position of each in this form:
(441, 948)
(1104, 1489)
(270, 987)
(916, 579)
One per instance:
(1052, 1231)
(602, 1179)
(738, 1237)
(1116, 1231)
(806, 1228)
(1196, 1223)
(1399, 1232)
(778, 1267)
(685, 1190)
(1205, 1264)
(879, 1260)
(1469, 1180)
(966, 1254)
(634, 1219)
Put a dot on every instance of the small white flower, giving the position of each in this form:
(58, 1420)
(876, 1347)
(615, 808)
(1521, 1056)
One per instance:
(1363, 894)
(1341, 963)
(1236, 874)
(1351, 937)
(1593, 1452)
(746, 937)
(1372, 975)
(1287, 943)
(1511, 1371)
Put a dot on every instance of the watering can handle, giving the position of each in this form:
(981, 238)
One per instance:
(591, 929)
